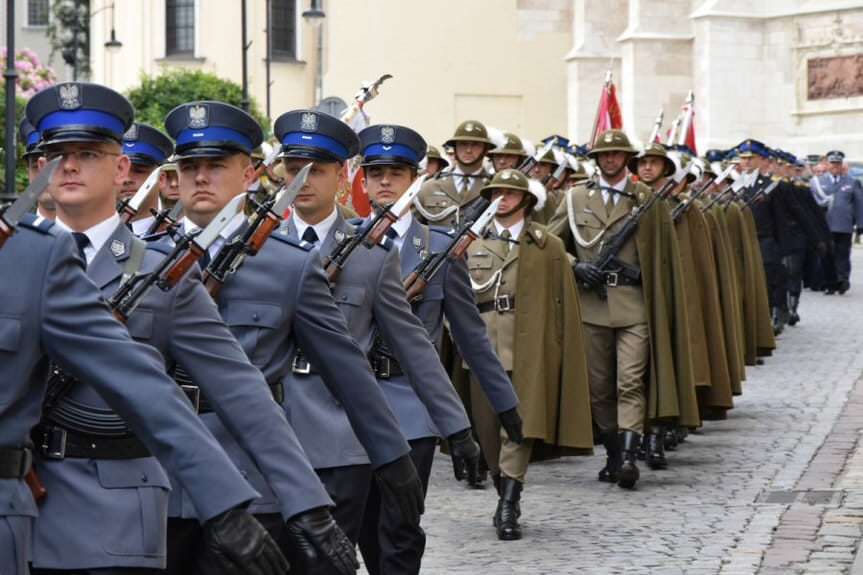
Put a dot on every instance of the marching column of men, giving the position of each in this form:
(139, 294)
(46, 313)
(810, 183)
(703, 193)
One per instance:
(197, 378)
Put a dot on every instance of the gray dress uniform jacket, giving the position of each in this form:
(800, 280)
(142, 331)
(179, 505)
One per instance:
(279, 297)
(49, 307)
(448, 293)
(113, 513)
(370, 295)
(846, 202)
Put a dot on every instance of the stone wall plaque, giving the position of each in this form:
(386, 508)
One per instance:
(835, 77)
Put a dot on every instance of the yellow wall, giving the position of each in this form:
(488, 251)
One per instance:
(498, 61)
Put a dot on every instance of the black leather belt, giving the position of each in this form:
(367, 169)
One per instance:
(15, 462)
(301, 366)
(277, 389)
(499, 304)
(614, 279)
(385, 366)
(54, 442)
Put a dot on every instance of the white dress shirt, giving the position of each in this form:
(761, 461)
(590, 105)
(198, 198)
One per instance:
(97, 235)
(322, 228)
(619, 186)
(140, 227)
(514, 229)
(401, 227)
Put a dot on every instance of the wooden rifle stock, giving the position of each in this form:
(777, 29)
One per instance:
(6, 231)
(179, 269)
(37, 488)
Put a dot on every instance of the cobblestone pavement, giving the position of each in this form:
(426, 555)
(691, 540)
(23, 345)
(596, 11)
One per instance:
(776, 488)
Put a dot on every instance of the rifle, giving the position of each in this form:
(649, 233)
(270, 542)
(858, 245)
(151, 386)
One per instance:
(364, 96)
(684, 206)
(128, 209)
(557, 175)
(10, 217)
(472, 227)
(165, 220)
(528, 163)
(370, 233)
(732, 188)
(766, 191)
(264, 219)
(607, 261)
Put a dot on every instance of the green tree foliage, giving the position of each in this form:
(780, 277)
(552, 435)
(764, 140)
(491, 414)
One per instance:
(158, 95)
(21, 168)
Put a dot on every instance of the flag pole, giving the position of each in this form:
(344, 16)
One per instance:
(687, 118)
(603, 95)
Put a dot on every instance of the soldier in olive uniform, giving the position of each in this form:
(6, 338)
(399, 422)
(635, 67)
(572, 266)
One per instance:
(626, 334)
(440, 201)
(510, 155)
(528, 300)
(434, 162)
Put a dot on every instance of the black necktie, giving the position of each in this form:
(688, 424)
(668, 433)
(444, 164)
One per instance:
(392, 234)
(82, 241)
(310, 236)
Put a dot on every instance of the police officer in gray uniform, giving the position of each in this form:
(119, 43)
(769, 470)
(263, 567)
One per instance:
(391, 156)
(276, 300)
(49, 307)
(369, 293)
(107, 507)
(844, 199)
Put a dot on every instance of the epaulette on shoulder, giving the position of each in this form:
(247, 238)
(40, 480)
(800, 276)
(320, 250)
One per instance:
(35, 223)
(282, 236)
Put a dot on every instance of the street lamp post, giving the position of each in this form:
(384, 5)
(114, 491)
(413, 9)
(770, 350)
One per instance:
(244, 103)
(315, 16)
(10, 75)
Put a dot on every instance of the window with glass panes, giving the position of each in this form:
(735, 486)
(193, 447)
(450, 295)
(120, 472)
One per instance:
(283, 21)
(37, 12)
(179, 27)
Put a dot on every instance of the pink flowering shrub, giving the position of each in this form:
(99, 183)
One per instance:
(33, 76)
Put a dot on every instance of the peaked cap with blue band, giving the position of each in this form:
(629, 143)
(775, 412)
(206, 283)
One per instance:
(28, 135)
(313, 135)
(749, 148)
(145, 144)
(388, 144)
(79, 112)
(835, 157)
(715, 155)
(208, 129)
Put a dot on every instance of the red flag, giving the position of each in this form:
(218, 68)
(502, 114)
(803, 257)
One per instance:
(608, 115)
(359, 197)
(687, 131)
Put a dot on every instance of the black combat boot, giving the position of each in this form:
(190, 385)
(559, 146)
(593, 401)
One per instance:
(779, 320)
(669, 439)
(628, 474)
(793, 316)
(656, 449)
(613, 460)
(508, 510)
(844, 286)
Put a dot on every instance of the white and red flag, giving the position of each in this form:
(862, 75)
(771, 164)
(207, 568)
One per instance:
(608, 115)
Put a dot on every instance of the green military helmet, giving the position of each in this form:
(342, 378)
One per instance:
(576, 169)
(612, 141)
(470, 131)
(655, 150)
(513, 147)
(510, 179)
(549, 158)
(433, 154)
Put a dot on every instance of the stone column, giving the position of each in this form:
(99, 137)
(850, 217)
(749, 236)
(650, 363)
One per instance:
(596, 25)
(656, 50)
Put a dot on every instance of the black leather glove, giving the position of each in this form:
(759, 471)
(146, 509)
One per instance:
(465, 456)
(317, 539)
(236, 544)
(510, 420)
(399, 482)
(588, 274)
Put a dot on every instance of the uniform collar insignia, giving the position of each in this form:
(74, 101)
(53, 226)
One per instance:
(339, 235)
(117, 248)
(418, 242)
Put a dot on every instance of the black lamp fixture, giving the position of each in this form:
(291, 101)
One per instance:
(113, 42)
(315, 14)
